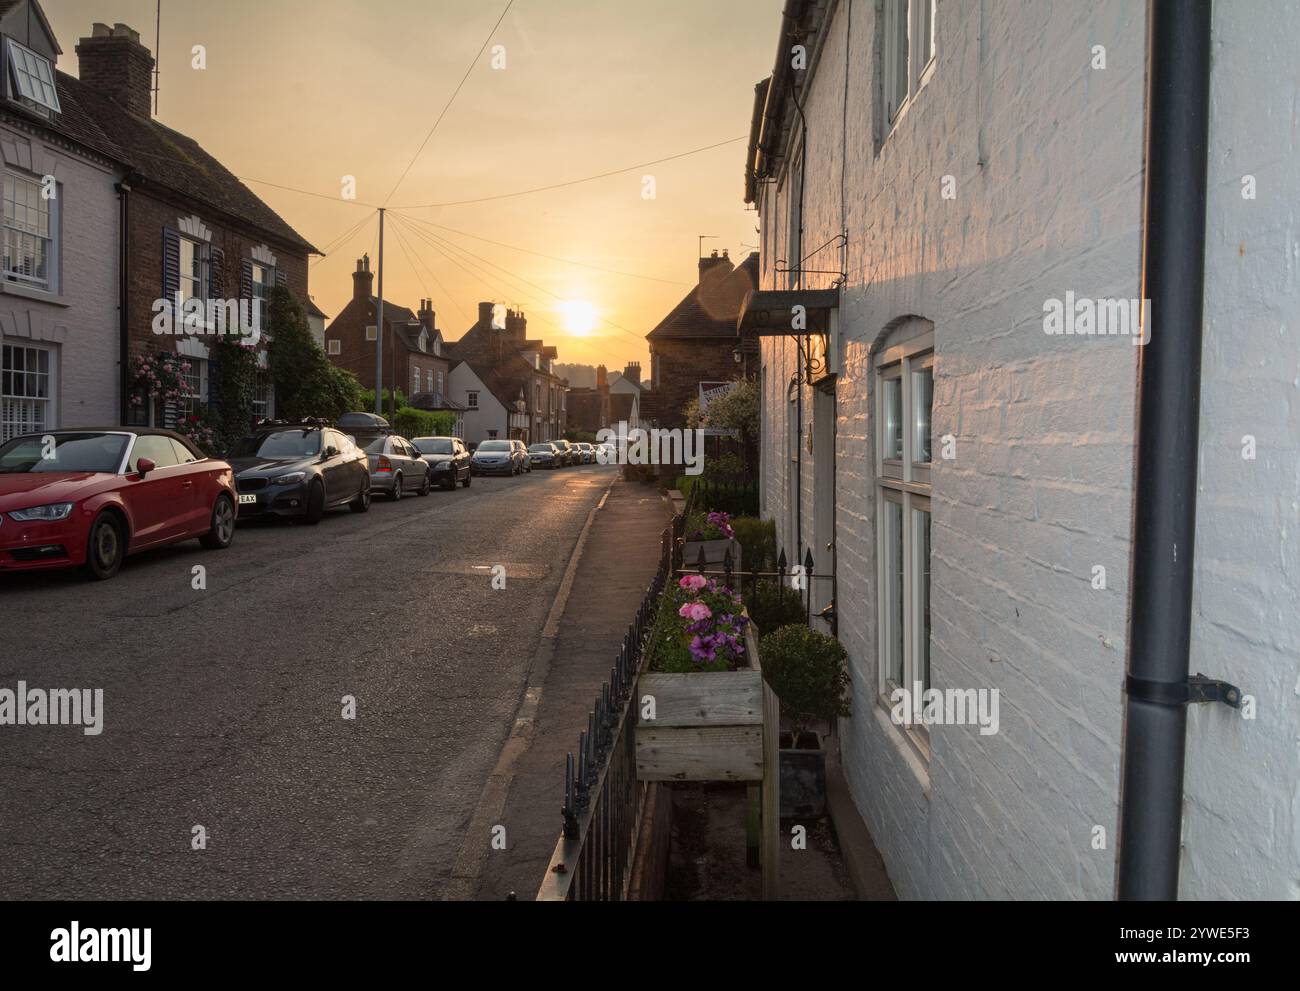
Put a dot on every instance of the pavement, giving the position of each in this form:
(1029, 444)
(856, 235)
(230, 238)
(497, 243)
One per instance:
(224, 706)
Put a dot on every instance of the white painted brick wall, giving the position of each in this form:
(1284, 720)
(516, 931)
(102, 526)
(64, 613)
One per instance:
(84, 330)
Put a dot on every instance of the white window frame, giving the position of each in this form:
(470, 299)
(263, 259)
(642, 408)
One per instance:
(372, 332)
(906, 483)
(416, 380)
(188, 279)
(920, 17)
(193, 401)
(471, 400)
(14, 231)
(264, 287)
(32, 76)
(20, 411)
(334, 346)
(263, 395)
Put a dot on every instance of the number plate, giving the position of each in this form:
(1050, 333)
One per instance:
(248, 500)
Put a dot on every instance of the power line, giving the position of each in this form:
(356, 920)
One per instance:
(575, 182)
(305, 192)
(455, 93)
(401, 240)
(539, 254)
(344, 238)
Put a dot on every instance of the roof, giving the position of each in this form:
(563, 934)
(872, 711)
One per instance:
(314, 310)
(506, 379)
(620, 406)
(76, 120)
(711, 308)
(164, 157)
(435, 401)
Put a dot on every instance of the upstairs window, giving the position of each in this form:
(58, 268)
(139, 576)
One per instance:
(263, 283)
(194, 269)
(472, 401)
(28, 243)
(907, 52)
(33, 78)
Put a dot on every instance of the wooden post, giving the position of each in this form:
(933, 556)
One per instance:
(753, 824)
(771, 795)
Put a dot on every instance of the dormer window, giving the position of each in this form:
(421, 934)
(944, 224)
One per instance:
(32, 78)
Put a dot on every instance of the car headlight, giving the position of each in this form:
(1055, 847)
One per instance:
(293, 478)
(46, 514)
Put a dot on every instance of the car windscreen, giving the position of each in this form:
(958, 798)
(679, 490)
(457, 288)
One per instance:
(281, 445)
(494, 445)
(69, 452)
(542, 448)
(433, 446)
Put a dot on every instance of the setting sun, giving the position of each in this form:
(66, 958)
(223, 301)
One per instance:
(579, 316)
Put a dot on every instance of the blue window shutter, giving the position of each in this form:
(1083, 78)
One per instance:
(246, 280)
(281, 279)
(171, 268)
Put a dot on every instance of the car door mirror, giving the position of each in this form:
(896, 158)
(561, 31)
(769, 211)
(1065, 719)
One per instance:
(144, 466)
(331, 452)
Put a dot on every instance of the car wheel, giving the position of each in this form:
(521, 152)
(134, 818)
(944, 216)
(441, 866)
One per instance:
(105, 547)
(221, 531)
(315, 503)
(361, 503)
(428, 484)
(396, 494)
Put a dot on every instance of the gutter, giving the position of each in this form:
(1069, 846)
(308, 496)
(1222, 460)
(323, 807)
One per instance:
(1158, 688)
(123, 321)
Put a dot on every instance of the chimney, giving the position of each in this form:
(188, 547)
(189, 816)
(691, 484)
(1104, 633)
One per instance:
(601, 383)
(714, 266)
(426, 315)
(363, 280)
(633, 372)
(113, 62)
(516, 325)
(485, 315)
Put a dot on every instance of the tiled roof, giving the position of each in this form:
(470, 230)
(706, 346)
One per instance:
(435, 401)
(75, 121)
(169, 159)
(710, 309)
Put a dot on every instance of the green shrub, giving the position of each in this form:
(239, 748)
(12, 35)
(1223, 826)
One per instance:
(411, 422)
(772, 605)
(757, 542)
(808, 672)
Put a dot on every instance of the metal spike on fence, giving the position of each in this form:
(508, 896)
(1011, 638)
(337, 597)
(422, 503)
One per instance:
(726, 567)
(570, 811)
(581, 783)
(701, 564)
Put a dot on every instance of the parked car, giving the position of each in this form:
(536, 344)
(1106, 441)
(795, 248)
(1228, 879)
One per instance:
(588, 453)
(544, 455)
(299, 471)
(396, 467)
(92, 497)
(447, 458)
(568, 453)
(521, 449)
(606, 454)
(495, 457)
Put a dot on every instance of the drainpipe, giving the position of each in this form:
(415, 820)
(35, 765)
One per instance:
(1169, 385)
(123, 323)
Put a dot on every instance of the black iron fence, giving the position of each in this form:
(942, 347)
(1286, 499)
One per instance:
(734, 496)
(602, 796)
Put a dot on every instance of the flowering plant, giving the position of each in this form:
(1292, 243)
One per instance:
(161, 375)
(714, 526)
(200, 428)
(701, 627)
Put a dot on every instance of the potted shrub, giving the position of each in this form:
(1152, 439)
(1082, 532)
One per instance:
(712, 533)
(809, 674)
(701, 695)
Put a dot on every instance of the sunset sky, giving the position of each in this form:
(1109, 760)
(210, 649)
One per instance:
(303, 92)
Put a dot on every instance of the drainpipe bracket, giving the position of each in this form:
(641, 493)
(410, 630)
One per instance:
(1198, 689)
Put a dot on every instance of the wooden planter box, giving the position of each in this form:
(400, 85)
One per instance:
(715, 553)
(708, 725)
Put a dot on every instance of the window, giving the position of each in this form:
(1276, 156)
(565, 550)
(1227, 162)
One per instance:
(472, 401)
(262, 394)
(335, 346)
(29, 242)
(196, 386)
(428, 379)
(907, 52)
(440, 382)
(26, 402)
(371, 333)
(904, 406)
(415, 381)
(263, 283)
(32, 78)
(194, 268)
(156, 448)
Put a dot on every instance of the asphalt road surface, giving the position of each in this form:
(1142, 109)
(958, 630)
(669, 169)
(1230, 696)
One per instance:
(223, 708)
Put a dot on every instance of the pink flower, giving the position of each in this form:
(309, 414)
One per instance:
(695, 611)
(693, 582)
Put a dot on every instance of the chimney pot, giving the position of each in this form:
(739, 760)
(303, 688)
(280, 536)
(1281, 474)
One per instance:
(363, 280)
(113, 61)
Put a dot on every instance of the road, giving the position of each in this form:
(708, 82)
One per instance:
(223, 708)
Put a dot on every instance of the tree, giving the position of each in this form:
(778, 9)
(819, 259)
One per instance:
(306, 384)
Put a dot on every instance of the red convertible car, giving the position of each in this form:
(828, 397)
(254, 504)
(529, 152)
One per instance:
(91, 497)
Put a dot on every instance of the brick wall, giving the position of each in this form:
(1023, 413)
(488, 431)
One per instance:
(357, 354)
(683, 363)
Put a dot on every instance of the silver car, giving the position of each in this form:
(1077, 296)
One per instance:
(396, 467)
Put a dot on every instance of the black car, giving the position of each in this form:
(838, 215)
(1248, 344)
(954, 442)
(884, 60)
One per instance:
(569, 455)
(544, 455)
(448, 460)
(299, 470)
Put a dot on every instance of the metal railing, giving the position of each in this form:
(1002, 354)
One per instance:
(602, 796)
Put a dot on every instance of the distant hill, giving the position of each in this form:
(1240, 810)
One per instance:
(579, 376)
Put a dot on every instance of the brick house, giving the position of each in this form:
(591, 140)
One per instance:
(59, 342)
(973, 469)
(414, 352)
(507, 382)
(191, 227)
(697, 341)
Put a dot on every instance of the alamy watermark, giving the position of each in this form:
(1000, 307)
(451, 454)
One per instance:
(946, 707)
(55, 707)
(651, 447)
(1098, 317)
(179, 316)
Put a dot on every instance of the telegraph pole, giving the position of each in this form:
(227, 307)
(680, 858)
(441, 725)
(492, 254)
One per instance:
(379, 326)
